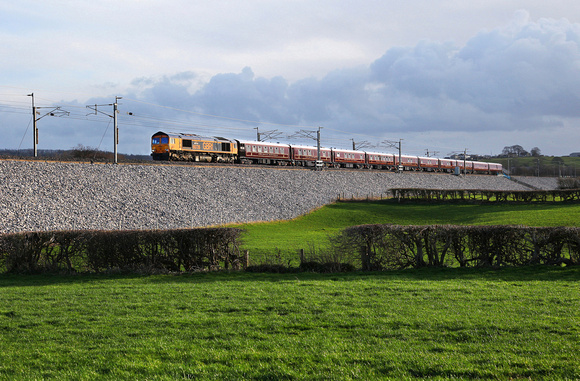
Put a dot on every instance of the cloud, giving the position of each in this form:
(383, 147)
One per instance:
(524, 76)
(526, 69)
(242, 96)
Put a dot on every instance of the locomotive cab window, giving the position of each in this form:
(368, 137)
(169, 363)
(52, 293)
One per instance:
(164, 140)
(155, 141)
(186, 143)
(226, 147)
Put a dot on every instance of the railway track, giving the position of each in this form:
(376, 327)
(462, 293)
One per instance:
(206, 165)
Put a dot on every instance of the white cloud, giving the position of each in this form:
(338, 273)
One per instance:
(345, 65)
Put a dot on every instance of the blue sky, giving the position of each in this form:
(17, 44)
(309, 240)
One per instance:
(443, 76)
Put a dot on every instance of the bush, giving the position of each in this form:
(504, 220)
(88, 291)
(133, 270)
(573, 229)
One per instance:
(380, 247)
(97, 251)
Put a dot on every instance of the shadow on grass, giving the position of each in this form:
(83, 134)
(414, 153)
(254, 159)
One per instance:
(525, 273)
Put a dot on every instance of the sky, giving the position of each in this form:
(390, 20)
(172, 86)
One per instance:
(439, 76)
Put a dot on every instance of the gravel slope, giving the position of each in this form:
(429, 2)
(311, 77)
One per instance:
(543, 183)
(54, 196)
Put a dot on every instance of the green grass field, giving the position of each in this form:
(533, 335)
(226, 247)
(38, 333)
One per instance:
(549, 165)
(511, 323)
(265, 240)
(442, 324)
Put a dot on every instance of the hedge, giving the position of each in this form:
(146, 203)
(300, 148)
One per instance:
(381, 247)
(403, 194)
(98, 251)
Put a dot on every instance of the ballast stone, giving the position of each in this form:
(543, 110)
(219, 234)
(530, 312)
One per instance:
(40, 196)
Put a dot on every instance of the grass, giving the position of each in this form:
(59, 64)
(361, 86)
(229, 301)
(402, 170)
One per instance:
(549, 165)
(313, 230)
(432, 323)
(511, 323)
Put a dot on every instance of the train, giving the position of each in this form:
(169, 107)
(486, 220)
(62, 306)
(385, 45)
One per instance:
(195, 148)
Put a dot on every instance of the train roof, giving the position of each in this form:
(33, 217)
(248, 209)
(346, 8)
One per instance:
(379, 153)
(347, 150)
(308, 147)
(183, 135)
(263, 143)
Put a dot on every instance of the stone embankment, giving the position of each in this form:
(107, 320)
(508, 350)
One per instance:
(59, 196)
(541, 183)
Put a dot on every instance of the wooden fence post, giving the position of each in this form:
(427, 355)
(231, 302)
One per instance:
(247, 259)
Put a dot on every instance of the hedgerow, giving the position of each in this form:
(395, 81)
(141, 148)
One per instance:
(381, 247)
(98, 251)
(555, 195)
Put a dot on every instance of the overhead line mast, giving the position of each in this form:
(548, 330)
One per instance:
(310, 134)
(396, 145)
(115, 124)
(56, 111)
